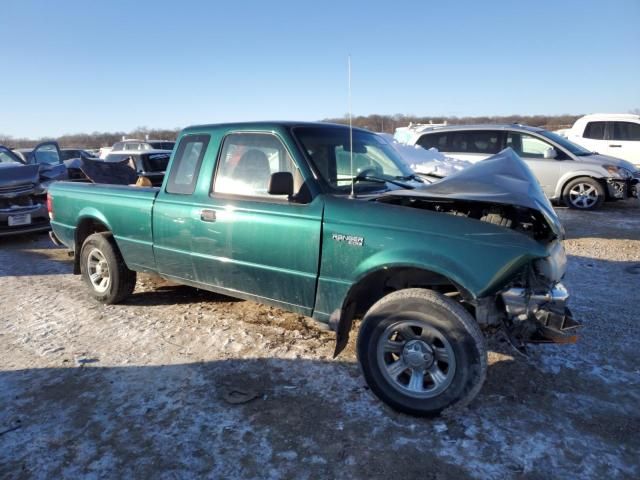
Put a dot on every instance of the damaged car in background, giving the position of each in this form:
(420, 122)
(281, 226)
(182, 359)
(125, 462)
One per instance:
(329, 222)
(568, 173)
(23, 206)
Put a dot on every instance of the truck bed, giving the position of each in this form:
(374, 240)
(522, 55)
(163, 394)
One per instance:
(124, 210)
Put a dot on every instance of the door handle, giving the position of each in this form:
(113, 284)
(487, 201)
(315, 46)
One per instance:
(208, 215)
(615, 146)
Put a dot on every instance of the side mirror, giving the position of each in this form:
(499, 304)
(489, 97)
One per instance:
(550, 153)
(281, 183)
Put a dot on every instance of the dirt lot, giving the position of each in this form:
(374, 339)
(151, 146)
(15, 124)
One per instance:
(151, 388)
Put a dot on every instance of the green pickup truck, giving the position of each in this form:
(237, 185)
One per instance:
(328, 222)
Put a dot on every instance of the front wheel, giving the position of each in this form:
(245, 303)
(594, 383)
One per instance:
(584, 193)
(104, 271)
(421, 352)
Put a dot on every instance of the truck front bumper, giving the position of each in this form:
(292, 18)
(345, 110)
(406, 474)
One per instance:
(541, 317)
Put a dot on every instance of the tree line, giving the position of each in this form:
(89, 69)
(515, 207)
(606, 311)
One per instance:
(374, 122)
(94, 139)
(388, 123)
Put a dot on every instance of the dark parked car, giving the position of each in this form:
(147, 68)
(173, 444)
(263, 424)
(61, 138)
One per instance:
(149, 163)
(23, 207)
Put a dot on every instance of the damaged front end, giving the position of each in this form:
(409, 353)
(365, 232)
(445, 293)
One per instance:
(502, 190)
(535, 309)
(22, 205)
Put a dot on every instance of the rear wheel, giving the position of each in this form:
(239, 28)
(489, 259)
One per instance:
(103, 269)
(584, 193)
(421, 352)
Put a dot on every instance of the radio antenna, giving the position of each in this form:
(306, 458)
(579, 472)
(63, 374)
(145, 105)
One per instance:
(353, 194)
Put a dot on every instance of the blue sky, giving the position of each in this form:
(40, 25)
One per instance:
(82, 66)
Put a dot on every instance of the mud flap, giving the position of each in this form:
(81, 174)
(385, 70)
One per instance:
(341, 322)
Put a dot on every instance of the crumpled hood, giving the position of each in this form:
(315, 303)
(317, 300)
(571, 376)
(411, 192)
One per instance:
(16, 174)
(502, 178)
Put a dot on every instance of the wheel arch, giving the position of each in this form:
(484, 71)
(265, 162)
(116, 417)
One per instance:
(565, 180)
(377, 283)
(87, 225)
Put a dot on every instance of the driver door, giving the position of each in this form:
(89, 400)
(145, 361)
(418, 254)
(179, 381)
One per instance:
(246, 240)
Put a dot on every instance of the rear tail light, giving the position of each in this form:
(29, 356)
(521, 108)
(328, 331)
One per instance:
(50, 205)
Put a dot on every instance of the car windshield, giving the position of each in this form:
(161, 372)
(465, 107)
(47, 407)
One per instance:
(374, 160)
(8, 157)
(566, 144)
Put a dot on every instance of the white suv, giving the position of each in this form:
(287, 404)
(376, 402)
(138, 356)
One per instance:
(614, 134)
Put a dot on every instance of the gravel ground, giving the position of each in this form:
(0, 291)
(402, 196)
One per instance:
(179, 383)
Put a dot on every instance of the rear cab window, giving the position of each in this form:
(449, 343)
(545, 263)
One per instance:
(594, 130)
(626, 131)
(186, 164)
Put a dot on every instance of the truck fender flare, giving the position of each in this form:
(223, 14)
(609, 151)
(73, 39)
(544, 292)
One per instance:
(90, 221)
(341, 320)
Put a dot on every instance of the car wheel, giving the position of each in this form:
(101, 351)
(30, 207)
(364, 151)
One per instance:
(584, 193)
(104, 271)
(421, 353)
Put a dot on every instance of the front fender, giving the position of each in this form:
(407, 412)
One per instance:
(567, 177)
(480, 274)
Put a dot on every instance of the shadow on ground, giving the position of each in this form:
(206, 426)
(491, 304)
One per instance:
(259, 418)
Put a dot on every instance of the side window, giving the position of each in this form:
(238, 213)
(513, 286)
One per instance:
(626, 131)
(186, 164)
(594, 130)
(480, 141)
(131, 146)
(528, 146)
(434, 140)
(247, 161)
(118, 147)
(46, 154)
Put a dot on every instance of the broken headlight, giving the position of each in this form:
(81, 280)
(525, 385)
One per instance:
(554, 266)
(620, 171)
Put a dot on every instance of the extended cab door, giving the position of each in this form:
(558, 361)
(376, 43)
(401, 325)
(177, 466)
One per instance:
(246, 240)
(175, 211)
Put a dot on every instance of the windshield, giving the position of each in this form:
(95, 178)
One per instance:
(373, 158)
(568, 145)
(8, 157)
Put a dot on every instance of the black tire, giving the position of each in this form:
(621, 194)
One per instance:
(102, 249)
(455, 332)
(593, 194)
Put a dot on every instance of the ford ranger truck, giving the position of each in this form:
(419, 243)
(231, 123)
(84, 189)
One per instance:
(311, 219)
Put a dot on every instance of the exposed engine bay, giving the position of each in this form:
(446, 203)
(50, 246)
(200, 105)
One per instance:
(522, 219)
(501, 190)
